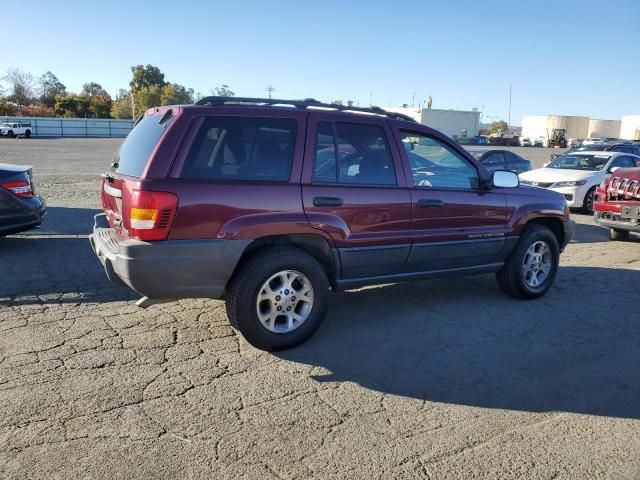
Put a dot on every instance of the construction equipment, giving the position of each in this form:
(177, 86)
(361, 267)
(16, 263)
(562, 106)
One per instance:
(558, 138)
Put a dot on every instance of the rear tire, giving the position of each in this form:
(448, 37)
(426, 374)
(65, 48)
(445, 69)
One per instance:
(532, 266)
(254, 289)
(619, 235)
(10, 134)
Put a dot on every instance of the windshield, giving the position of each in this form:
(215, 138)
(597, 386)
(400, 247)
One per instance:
(580, 162)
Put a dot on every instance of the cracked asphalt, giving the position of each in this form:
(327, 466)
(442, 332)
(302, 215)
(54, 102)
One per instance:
(436, 379)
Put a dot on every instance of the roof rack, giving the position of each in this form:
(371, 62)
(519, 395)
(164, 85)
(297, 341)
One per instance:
(215, 101)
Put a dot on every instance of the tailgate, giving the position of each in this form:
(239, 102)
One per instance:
(115, 195)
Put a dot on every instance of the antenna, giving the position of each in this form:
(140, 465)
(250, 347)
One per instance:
(270, 89)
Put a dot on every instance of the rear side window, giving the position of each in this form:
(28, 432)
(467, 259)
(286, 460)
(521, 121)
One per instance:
(364, 157)
(137, 147)
(243, 149)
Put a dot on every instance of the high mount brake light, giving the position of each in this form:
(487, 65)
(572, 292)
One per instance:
(152, 214)
(20, 188)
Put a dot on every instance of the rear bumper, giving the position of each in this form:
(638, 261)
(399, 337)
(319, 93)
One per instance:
(613, 220)
(29, 213)
(167, 269)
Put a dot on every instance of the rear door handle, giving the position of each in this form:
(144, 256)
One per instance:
(429, 202)
(327, 202)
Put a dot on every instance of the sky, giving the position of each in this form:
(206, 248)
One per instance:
(561, 57)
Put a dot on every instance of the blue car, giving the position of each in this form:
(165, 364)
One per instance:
(20, 208)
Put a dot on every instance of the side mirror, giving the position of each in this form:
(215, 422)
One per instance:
(613, 169)
(504, 179)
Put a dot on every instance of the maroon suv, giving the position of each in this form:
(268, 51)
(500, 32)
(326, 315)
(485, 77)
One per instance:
(270, 204)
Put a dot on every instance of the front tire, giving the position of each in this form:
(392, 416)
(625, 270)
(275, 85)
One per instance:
(587, 204)
(278, 298)
(619, 235)
(532, 267)
(27, 134)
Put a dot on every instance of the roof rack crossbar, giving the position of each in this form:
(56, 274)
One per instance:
(304, 104)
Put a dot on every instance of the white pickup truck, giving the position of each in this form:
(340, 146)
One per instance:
(13, 129)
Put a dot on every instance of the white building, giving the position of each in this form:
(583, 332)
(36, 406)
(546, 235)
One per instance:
(630, 127)
(604, 128)
(453, 123)
(542, 126)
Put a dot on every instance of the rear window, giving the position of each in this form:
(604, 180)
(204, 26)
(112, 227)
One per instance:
(242, 149)
(137, 147)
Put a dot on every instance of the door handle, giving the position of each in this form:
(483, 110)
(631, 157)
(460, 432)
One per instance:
(429, 202)
(327, 202)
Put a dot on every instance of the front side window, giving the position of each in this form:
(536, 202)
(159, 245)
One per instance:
(242, 149)
(363, 155)
(435, 165)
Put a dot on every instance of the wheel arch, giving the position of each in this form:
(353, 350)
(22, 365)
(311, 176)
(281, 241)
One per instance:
(552, 223)
(314, 244)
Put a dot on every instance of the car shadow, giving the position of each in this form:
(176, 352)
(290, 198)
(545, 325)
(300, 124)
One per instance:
(586, 233)
(51, 265)
(462, 341)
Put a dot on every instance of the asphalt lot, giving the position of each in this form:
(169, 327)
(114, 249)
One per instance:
(434, 379)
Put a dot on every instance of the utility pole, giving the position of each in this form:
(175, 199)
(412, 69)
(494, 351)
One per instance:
(509, 118)
(370, 99)
(270, 89)
(133, 107)
(413, 100)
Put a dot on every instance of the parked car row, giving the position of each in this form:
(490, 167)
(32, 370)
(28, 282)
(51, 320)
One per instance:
(626, 147)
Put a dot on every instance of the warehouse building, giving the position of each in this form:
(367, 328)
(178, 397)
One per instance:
(630, 127)
(604, 128)
(453, 123)
(537, 126)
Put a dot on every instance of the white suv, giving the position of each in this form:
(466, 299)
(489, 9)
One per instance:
(13, 129)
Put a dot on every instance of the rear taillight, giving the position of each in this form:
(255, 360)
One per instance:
(19, 187)
(152, 214)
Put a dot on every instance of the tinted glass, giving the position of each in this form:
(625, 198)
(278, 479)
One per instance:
(242, 148)
(363, 153)
(137, 147)
(623, 162)
(494, 159)
(435, 165)
(623, 148)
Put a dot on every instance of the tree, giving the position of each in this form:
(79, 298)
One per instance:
(100, 106)
(498, 127)
(146, 77)
(50, 86)
(7, 108)
(223, 91)
(72, 105)
(121, 107)
(337, 102)
(93, 89)
(175, 94)
(40, 110)
(21, 86)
